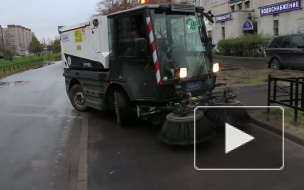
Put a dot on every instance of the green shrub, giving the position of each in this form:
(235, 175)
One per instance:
(8, 55)
(248, 45)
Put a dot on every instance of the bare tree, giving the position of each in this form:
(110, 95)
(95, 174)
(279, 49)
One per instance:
(105, 7)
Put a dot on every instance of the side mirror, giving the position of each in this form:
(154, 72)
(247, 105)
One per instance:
(141, 47)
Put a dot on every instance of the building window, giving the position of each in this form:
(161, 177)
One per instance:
(232, 8)
(209, 33)
(239, 6)
(247, 4)
(223, 33)
(275, 27)
(208, 1)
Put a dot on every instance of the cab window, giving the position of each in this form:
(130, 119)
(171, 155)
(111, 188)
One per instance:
(130, 28)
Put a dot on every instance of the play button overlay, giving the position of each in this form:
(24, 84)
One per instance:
(240, 143)
(235, 138)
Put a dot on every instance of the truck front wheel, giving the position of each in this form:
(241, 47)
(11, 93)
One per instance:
(123, 107)
(77, 98)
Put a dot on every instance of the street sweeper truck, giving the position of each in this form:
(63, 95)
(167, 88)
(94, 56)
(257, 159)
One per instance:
(152, 61)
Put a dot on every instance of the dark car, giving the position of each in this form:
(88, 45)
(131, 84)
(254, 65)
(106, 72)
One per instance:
(286, 52)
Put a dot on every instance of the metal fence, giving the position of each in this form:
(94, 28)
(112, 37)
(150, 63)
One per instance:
(22, 65)
(26, 64)
(58, 58)
(288, 92)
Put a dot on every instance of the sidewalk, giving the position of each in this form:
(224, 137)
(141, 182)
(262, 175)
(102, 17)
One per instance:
(295, 134)
(257, 96)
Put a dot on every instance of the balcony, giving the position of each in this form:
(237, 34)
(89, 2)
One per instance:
(235, 1)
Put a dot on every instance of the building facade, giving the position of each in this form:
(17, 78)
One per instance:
(235, 18)
(1, 43)
(17, 38)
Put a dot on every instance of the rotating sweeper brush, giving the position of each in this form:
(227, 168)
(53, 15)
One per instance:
(178, 129)
(234, 116)
(227, 112)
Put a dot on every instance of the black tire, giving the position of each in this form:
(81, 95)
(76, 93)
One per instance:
(275, 64)
(77, 98)
(123, 107)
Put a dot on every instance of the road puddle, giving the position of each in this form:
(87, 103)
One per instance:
(12, 83)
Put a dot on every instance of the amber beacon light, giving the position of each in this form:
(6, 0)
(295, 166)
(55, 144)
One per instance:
(144, 2)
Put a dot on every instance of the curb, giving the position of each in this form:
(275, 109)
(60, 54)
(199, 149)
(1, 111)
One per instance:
(250, 85)
(245, 85)
(83, 156)
(288, 135)
(228, 67)
(240, 58)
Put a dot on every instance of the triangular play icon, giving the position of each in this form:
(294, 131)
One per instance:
(235, 138)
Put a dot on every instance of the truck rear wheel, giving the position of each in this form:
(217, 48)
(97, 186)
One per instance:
(123, 107)
(77, 98)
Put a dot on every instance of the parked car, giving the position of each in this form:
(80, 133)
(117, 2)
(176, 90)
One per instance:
(286, 52)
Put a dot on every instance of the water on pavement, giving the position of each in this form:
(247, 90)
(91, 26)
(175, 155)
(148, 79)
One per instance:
(39, 128)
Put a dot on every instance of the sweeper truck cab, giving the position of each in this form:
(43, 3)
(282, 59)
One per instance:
(144, 60)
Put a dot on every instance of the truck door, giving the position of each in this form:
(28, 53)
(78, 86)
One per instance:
(135, 68)
(96, 35)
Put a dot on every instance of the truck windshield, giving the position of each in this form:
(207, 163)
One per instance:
(179, 45)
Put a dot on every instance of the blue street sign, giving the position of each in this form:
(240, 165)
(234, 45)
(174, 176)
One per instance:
(247, 26)
(223, 17)
(281, 7)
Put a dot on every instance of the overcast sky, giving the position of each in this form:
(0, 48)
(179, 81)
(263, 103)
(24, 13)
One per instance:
(44, 16)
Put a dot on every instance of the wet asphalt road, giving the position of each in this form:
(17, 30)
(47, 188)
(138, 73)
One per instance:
(39, 131)
(253, 95)
(134, 158)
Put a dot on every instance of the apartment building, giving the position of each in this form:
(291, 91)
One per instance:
(1, 42)
(17, 38)
(1, 38)
(235, 18)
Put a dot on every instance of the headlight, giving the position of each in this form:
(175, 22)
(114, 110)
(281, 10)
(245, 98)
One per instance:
(216, 67)
(181, 72)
